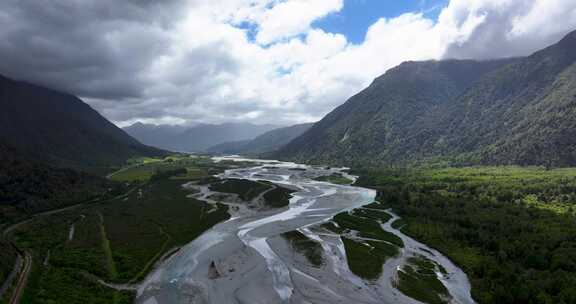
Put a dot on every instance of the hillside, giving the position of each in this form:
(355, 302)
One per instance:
(61, 129)
(367, 127)
(524, 113)
(194, 138)
(7, 260)
(28, 187)
(265, 143)
(515, 111)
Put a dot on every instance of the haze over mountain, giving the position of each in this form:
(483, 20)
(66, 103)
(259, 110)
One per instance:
(515, 111)
(59, 128)
(265, 143)
(195, 138)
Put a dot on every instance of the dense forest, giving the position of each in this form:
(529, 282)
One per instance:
(7, 259)
(28, 187)
(513, 230)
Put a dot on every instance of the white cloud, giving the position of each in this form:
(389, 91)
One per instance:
(256, 60)
(290, 18)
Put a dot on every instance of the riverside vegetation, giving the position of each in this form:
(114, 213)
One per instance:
(119, 239)
(511, 229)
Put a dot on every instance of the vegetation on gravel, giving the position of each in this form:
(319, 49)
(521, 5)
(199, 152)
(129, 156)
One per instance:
(366, 258)
(335, 178)
(418, 280)
(247, 190)
(362, 221)
(367, 245)
(278, 197)
(311, 249)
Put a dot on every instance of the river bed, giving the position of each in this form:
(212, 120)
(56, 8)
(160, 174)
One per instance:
(246, 260)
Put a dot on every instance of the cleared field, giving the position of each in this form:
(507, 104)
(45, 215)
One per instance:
(142, 169)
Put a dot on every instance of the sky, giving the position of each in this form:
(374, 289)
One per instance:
(262, 61)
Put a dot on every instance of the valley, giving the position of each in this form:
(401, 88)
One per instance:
(247, 259)
(181, 227)
(246, 152)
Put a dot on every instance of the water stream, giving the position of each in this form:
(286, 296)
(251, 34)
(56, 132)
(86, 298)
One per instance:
(245, 259)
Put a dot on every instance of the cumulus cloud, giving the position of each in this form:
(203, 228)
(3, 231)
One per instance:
(190, 61)
(507, 28)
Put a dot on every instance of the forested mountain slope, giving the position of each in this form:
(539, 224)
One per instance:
(524, 113)
(265, 143)
(514, 111)
(369, 125)
(61, 129)
(28, 187)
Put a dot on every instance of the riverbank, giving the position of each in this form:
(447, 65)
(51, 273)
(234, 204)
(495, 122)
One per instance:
(248, 259)
(510, 228)
(139, 227)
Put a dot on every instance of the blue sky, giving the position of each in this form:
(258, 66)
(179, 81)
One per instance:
(358, 15)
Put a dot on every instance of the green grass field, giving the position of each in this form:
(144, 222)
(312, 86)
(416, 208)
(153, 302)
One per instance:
(142, 169)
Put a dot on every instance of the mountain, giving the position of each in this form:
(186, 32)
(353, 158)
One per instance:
(524, 113)
(265, 143)
(370, 124)
(195, 138)
(28, 186)
(59, 128)
(230, 147)
(513, 111)
(164, 136)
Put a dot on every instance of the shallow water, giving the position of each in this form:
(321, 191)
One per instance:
(244, 260)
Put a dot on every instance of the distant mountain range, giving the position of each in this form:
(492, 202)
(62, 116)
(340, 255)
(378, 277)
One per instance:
(515, 111)
(195, 138)
(265, 143)
(60, 129)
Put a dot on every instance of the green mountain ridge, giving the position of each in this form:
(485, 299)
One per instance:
(60, 129)
(510, 111)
